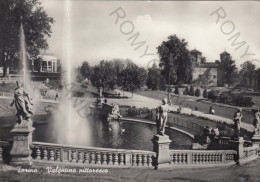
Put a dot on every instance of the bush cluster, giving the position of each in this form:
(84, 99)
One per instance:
(133, 111)
(231, 99)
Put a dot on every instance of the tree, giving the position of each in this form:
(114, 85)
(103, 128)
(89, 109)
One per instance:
(176, 90)
(197, 92)
(36, 24)
(229, 69)
(192, 91)
(205, 93)
(153, 77)
(247, 73)
(175, 58)
(205, 79)
(132, 77)
(104, 75)
(85, 70)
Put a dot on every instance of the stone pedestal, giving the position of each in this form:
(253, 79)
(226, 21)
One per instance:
(238, 145)
(256, 139)
(22, 138)
(161, 147)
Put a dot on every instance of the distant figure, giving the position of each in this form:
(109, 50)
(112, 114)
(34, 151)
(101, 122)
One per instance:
(57, 96)
(256, 122)
(211, 110)
(161, 117)
(179, 109)
(196, 108)
(105, 101)
(237, 121)
(22, 103)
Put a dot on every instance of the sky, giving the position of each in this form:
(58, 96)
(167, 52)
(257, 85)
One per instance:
(87, 30)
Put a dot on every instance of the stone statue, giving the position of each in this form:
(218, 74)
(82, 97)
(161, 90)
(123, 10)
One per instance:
(22, 103)
(256, 122)
(161, 117)
(237, 121)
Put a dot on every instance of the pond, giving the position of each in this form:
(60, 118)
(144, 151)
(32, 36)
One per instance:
(100, 133)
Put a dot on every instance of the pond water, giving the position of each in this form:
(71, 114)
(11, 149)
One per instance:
(115, 134)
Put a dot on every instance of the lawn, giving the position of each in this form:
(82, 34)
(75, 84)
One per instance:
(191, 102)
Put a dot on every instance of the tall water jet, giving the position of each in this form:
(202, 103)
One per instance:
(67, 125)
(23, 55)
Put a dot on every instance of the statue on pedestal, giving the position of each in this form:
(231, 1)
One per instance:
(256, 122)
(237, 121)
(161, 117)
(22, 103)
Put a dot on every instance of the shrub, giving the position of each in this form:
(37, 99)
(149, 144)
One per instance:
(213, 95)
(205, 93)
(176, 91)
(191, 90)
(186, 91)
(197, 92)
(242, 101)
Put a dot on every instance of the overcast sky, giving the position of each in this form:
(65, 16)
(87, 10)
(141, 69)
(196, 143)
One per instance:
(85, 30)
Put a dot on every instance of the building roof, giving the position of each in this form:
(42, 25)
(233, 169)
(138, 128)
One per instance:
(195, 51)
(225, 53)
(207, 65)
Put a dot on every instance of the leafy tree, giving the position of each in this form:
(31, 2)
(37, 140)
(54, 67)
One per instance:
(162, 83)
(132, 77)
(85, 70)
(153, 77)
(176, 60)
(36, 24)
(229, 69)
(104, 75)
(204, 80)
(197, 92)
(248, 73)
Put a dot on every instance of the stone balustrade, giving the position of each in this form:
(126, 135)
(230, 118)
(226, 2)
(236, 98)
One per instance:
(78, 155)
(6, 95)
(251, 151)
(193, 158)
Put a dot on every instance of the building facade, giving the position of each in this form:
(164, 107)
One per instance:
(208, 70)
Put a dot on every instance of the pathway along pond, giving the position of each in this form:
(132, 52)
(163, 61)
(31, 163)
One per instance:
(115, 134)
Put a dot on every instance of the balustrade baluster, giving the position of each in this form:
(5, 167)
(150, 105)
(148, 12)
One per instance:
(145, 160)
(171, 158)
(73, 156)
(115, 158)
(58, 155)
(45, 154)
(92, 158)
(139, 160)
(184, 160)
(79, 157)
(134, 160)
(203, 158)
(121, 159)
(98, 157)
(109, 158)
(196, 158)
(1, 154)
(206, 158)
(104, 158)
(38, 153)
(86, 157)
(175, 158)
(149, 160)
(193, 159)
(51, 155)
